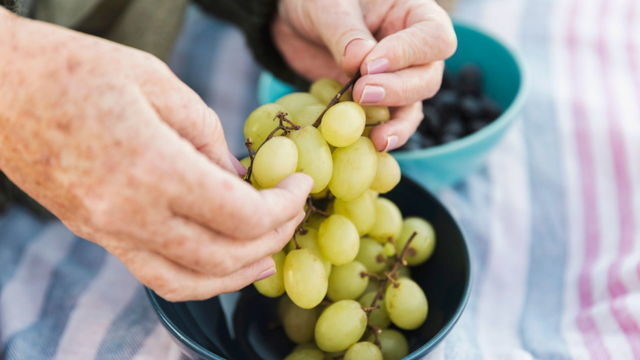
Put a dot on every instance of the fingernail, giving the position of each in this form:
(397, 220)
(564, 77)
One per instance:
(240, 169)
(364, 44)
(377, 66)
(265, 274)
(372, 94)
(392, 141)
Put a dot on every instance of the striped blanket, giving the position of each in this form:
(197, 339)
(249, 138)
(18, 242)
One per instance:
(553, 219)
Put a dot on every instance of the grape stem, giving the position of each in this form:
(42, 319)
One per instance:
(376, 332)
(285, 125)
(369, 309)
(337, 97)
(392, 274)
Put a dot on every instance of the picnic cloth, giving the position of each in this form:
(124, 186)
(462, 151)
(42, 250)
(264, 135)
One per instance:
(552, 219)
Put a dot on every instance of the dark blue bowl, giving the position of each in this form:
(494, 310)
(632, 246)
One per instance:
(241, 325)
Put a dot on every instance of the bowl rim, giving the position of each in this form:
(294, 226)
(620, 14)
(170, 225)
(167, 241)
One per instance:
(414, 355)
(505, 119)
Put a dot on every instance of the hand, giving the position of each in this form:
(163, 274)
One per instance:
(127, 156)
(398, 45)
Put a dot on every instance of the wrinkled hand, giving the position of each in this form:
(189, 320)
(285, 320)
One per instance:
(398, 45)
(127, 156)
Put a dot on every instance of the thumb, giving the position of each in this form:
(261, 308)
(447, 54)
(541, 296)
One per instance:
(344, 32)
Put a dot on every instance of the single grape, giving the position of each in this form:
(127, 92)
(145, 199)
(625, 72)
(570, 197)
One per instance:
(314, 156)
(378, 317)
(314, 221)
(406, 304)
(305, 279)
(388, 223)
(309, 240)
(347, 282)
(305, 354)
(376, 114)
(340, 325)
(299, 324)
(371, 255)
(343, 124)
(361, 211)
(295, 103)
(354, 168)
(338, 240)
(273, 286)
(423, 243)
(387, 173)
(323, 193)
(283, 307)
(326, 88)
(363, 350)
(393, 344)
(309, 114)
(307, 345)
(389, 249)
(276, 159)
(260, 123)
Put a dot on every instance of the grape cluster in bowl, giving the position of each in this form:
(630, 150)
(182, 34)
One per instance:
(344, 279)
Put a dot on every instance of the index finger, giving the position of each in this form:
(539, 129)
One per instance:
(427, 37)
(224, 203)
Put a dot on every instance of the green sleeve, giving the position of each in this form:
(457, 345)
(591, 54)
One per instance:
(253, 18)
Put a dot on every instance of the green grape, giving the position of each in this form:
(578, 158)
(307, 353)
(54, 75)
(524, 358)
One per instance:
(276, 159)
(324, 192)
(406, 304)
(388, 221)
(389, 249)
(309, 114)
(326, 89)
(294, 104)
(423, 243)
(373, 286)
(378, 317)
(260, 123)
(354, 168)
(314, 156)
(314, 221)
(273, 286)
(307, 345)
(305, 354)
(343, 124)
(387, 173)
(338, 240)
(347, 282)
(305, 279)
(309, 240)
(299, 324)
(404, 271)
(340, 325)
(393, 344)
(361, 211)
(283, 307)
(371, 255)
(363, 350)
(376, 114)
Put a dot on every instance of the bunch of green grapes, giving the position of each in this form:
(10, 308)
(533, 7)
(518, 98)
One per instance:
(344, 286)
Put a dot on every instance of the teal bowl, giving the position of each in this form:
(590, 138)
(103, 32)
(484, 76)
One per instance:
(504, 82)
(242, 325)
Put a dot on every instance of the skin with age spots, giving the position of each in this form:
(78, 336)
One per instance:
(127, 156)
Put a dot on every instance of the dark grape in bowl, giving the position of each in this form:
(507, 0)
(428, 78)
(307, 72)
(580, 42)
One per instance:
(243, 326)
